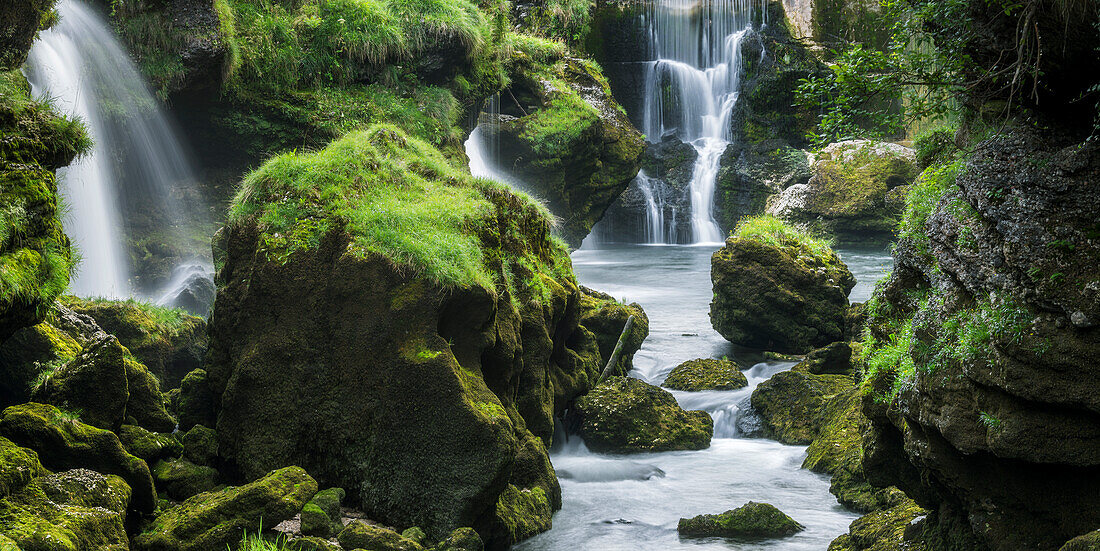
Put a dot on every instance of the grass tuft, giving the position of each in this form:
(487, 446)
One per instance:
(773, 231)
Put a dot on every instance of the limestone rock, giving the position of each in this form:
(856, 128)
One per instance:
(149, 446)
(706, 374)
(791, 403)
(752, 520)
(181, 479)
(360, 535)
(627, 415)
(76, 510)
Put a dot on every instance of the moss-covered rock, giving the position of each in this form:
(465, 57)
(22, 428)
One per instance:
(18, 466)
(94, 384)
(169, 342)
(1086, 542)
(706, 374)
(751, 520)
(33, 351)
(857, 190)
(882, 530)
(147, 445)
(321, 516)
(565, 137)
(62, 442)
(777, 288)
(200, 445)
(606, 318)
(751, 174)
(214, 520)
(397, 292)
(461, 539)
(791, 403)
(196, 401)
(360, 535)
(838, 358)
(181, 479)
(627, 415)
(76, 510)
(312, 543)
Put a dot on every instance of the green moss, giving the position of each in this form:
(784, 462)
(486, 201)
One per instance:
(18, 466)
(770, 230)
(360, 535)
(752, 520)
(149, 446)
(522, 512)
(706, 374)
(923, 196)
(70, 511)
(321, 516)
(626, 415)
(181, 479)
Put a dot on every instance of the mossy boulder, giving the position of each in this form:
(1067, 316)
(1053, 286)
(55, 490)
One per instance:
(168, 341)
(33, 351)
(65, 443)
(461, 539)
(360, 535)
(181, 479)
(76, 510)
(21, 21)
(215, 520)
(627, 415)
(371, 287)
(883, 530)
(196, 401)
(776, 288)
(35, 260)
(1086, 542)
(838, 358)
(312, 543)
(791, 403)
(566, 138)
(706, 374)
(147, 445)
(751, 520)
(321, 516)
(606, 318)
(18, 466)
(94, 383)
(751, 174)
(857, 190)
(200, 445)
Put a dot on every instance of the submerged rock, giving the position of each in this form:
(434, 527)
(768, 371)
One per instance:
(75, 510)
(215, 520)
(706, 374)
(752, 520)
(65, 443)
(778, 289)
(627, 415)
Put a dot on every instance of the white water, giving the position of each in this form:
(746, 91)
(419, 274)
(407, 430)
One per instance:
(633, 502)
(80, 64)
(692, 86)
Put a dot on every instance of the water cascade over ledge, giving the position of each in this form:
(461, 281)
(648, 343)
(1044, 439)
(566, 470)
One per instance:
(81, 66)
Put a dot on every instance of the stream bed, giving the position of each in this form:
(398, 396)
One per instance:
(633, 502)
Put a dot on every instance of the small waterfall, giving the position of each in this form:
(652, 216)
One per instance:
(654, 210)
(80, 65)
(692, 86)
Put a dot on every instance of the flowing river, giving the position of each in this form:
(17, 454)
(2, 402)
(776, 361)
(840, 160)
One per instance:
(633, 502)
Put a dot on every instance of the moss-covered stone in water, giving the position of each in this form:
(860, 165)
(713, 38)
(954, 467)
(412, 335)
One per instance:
(76, 510)
(778, 288)
(169, 342)
(321, 516)
(706, 374)
(18, 466)
(606, 317)
(215, 520)
(64, 443)
(149, 446)
(882, 530)
(200, 445)
(181, 479)
(836, 359)
(360, 535)
(752, 520)
(523, 512)
(627, 415)
(791, 403)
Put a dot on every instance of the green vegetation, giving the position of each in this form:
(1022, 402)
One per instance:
(935, 182)
(254, 541)
(770, 230)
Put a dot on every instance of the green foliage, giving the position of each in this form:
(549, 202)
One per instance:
(773, 231)
(891, 358)
(569, 20)
(923, 196)
(989, 421)
(151, 317)
(935, 147)
(255, 541)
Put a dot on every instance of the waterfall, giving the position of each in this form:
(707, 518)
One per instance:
(654, 220)
(692, 85)
(81, 67)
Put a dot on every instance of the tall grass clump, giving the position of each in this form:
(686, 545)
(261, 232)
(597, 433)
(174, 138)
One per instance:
(773, 231)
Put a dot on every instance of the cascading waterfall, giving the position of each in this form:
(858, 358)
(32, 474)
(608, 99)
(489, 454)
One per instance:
(80, 65)
(692, 86)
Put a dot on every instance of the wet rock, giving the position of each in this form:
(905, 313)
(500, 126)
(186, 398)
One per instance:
(149, 446)
(74, 510)
(752, 520)
(706, 374)
(779, 293)
(312, 543)
(1087, 542)
(196, 401)
(748, 176)
(65, 443)
(627, 415)
(360, 535)
(857, 190)
(215, 520)
(791, 403)
(606, 318)
(882, 529)
(181, 479)
(663, 184)
(191, 289)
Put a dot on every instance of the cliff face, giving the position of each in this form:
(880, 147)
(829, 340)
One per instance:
(992, 417)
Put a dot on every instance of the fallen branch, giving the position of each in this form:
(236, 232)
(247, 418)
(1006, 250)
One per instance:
(609, 369)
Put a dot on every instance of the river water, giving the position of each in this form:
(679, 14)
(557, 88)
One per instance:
(633, 502)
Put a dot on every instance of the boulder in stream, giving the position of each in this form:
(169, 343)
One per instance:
(628, 415)
(706, 374)
(751, 520)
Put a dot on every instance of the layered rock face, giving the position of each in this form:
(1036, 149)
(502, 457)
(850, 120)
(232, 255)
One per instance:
(662, 187)
(563, 136)
(425, 390)
(994, 420)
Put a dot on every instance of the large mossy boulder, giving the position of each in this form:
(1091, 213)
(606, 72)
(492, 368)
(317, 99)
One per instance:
(181, 479)
(377, 309)
(628, 415)
(564, 137)
(215, 520)
(147, 445)
(33, 351)
(606, 317)
(76, 510)
(62, 442)
(168, 341)
(360, 535)
(321, 516)
(791, 403)
(94, 383)
(751, 520)
(857, 191)
(706, 374)
(18, 466)
(778, 288)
